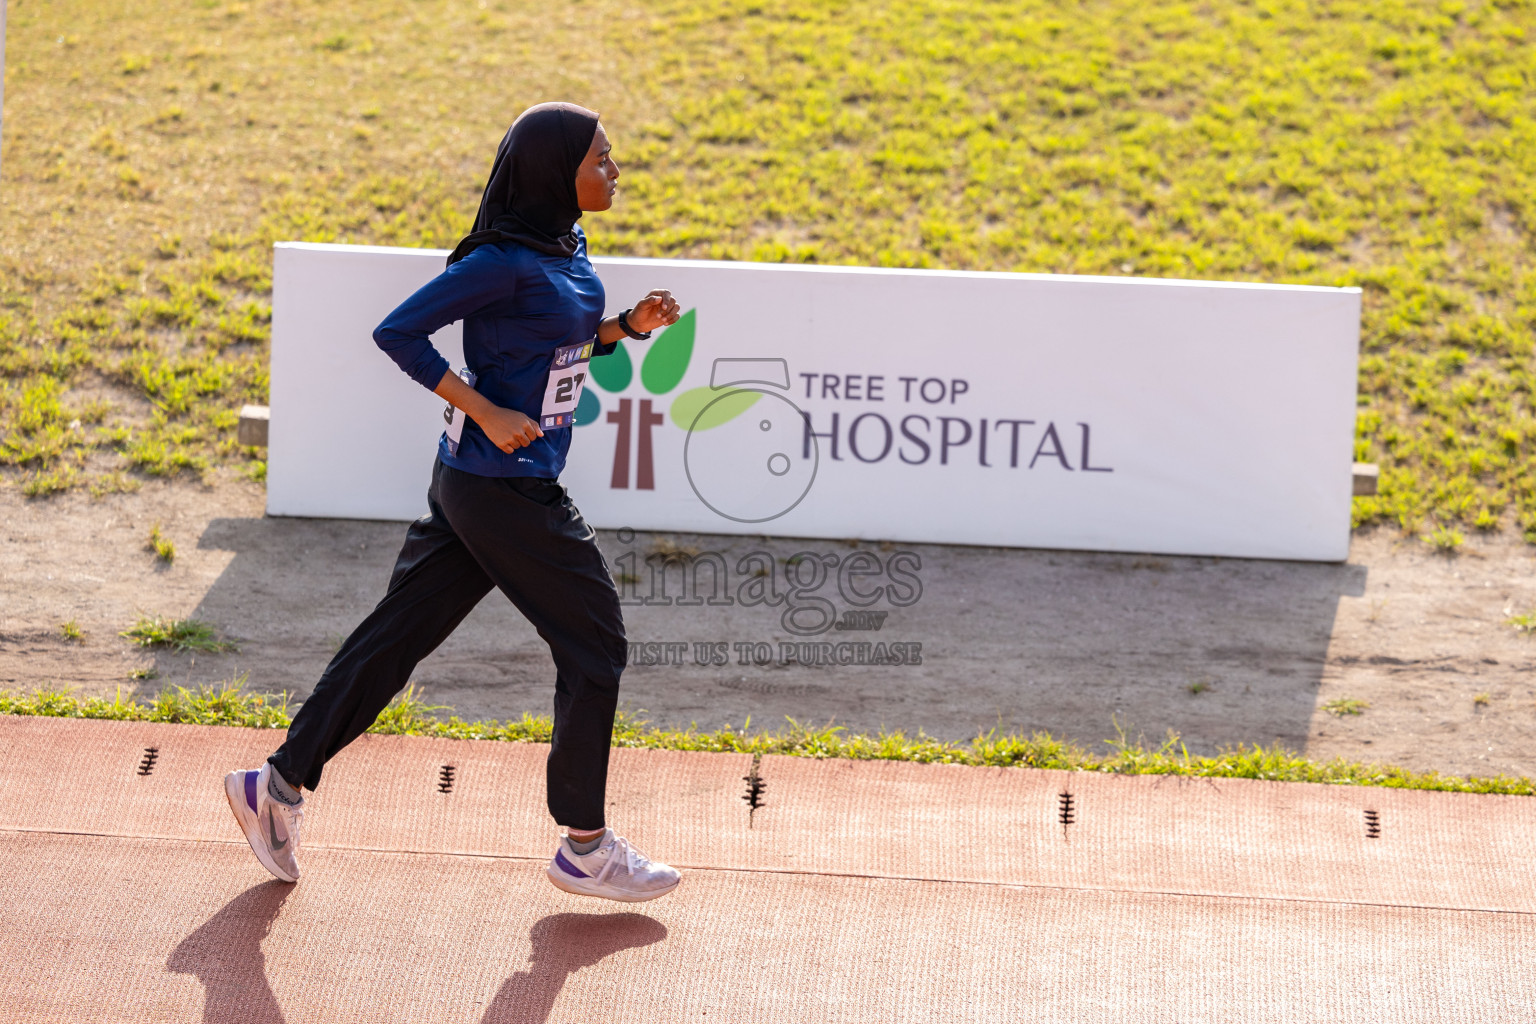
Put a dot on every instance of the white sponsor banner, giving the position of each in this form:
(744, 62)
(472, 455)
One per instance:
(1031, 410)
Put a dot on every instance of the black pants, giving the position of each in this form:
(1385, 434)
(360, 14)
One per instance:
(524, 536)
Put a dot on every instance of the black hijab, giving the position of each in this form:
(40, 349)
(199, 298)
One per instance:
(531, 196)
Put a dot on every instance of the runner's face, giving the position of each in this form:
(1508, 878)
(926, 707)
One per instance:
(598, 176)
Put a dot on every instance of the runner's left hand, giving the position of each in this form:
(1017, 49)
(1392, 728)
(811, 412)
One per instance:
(657, 309)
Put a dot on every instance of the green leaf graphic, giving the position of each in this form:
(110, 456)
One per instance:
(587, 409)
(667, 360)
(687, 406)
(613, 372)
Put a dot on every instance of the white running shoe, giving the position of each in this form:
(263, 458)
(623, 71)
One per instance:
(270, 826)
(613, 871)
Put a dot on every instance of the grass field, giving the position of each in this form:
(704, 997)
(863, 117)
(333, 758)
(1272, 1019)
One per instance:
(153, 151)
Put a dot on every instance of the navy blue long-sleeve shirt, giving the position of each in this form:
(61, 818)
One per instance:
(518, 305)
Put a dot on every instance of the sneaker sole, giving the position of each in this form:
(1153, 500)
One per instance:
(233, 786)
(560, 883)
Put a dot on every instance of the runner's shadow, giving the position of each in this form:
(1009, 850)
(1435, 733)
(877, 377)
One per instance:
(563, 944)
(225, 955)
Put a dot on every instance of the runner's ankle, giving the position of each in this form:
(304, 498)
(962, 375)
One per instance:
(282, 790)
(585, 842)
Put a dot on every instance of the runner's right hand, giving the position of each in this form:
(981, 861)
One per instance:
(509, 429)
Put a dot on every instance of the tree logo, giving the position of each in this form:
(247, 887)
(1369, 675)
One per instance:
(747, 473)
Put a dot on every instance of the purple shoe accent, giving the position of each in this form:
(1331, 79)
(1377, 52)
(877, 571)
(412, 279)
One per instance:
(568, 867)
(250, 789)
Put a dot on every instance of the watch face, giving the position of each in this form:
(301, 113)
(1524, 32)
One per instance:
(756, 466)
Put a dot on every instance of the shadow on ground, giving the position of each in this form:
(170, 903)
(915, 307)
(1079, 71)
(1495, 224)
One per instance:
(1218, 650)
(225, 955)
(563, 944)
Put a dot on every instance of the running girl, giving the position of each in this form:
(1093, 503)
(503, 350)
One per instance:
(532, 310)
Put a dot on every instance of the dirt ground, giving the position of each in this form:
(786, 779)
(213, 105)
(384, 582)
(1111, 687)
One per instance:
(1218, 650)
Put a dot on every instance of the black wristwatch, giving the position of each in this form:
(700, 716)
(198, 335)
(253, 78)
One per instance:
(624, 326)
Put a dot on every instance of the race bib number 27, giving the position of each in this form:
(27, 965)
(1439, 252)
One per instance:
(454, 416)
(567, 374)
